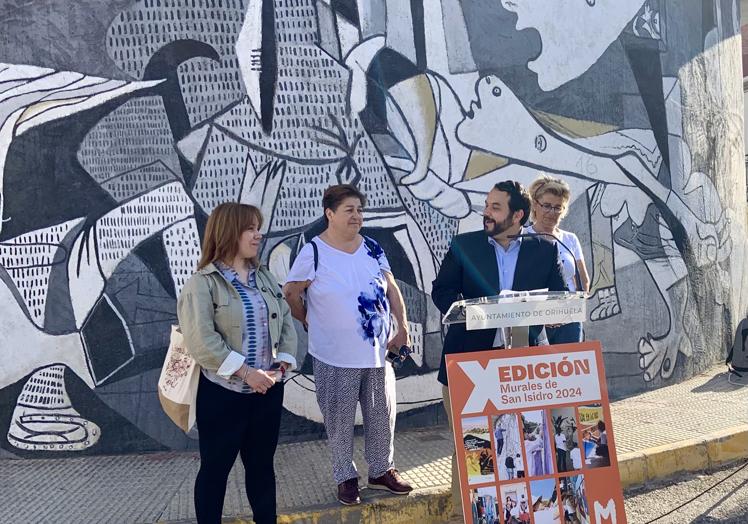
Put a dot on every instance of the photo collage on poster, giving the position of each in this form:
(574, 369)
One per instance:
(528, 467)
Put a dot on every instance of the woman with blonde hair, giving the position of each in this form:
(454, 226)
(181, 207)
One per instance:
(550, 203)
(238, 328)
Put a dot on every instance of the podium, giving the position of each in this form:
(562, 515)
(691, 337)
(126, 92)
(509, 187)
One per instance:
(515, 311)
(532, 426)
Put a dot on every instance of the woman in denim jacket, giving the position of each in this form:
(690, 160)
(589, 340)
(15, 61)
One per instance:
(238, 328)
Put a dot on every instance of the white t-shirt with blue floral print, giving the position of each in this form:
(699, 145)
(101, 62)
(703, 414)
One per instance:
(348, 313)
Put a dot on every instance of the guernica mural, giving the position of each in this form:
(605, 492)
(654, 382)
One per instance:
(123, 123)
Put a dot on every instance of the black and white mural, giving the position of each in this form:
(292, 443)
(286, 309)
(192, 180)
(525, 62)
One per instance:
(123, 123)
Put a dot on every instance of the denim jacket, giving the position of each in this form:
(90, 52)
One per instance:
(211, 314)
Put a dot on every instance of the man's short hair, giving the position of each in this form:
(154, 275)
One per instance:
(519, 198)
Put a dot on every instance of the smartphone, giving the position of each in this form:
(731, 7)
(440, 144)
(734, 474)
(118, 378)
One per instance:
(399, 358)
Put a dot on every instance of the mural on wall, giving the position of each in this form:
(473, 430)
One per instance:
(118, 140)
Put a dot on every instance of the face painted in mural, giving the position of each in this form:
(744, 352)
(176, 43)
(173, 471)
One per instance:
(497, 108)
(489, 91)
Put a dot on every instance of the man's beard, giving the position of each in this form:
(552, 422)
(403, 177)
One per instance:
(497, 228)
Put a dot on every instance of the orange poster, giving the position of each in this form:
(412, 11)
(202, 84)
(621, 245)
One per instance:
(533, 436)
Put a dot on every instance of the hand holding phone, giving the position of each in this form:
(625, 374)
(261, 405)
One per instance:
(397, 359)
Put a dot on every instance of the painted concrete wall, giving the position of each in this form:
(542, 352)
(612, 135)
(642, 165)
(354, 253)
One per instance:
(124, 123)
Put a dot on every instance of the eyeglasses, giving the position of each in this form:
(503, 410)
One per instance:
(547, 208)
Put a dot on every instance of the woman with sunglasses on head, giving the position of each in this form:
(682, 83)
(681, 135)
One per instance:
(550, 202)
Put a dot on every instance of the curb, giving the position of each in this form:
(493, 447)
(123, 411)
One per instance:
(715, 449)
(636, 468)
(427, 506)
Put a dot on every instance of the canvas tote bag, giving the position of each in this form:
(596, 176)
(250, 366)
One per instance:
(177, 385)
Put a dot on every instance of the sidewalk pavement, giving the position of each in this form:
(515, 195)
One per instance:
(695, 425)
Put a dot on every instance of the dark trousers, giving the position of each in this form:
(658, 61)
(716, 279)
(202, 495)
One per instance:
(561, 460)
(231, 423)
(566, 334)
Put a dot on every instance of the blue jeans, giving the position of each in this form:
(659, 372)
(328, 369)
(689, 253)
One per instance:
(566, 334)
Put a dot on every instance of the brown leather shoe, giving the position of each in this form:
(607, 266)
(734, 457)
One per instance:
(392, 482)
(348, 492)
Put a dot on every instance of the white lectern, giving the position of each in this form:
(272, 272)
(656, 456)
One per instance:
(518, 309)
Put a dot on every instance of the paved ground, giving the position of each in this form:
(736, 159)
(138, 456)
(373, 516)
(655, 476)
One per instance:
(727, 503)
(691, 409)
(158, 487)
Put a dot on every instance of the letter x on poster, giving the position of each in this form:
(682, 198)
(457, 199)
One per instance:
(533, 436)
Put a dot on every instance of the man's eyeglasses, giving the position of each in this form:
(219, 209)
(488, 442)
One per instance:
(547, 208)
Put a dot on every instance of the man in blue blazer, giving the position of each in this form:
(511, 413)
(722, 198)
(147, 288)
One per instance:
(482, 263)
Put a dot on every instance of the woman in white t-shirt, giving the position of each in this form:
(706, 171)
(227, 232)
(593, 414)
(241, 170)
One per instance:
(550, 202)
(341, 288)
